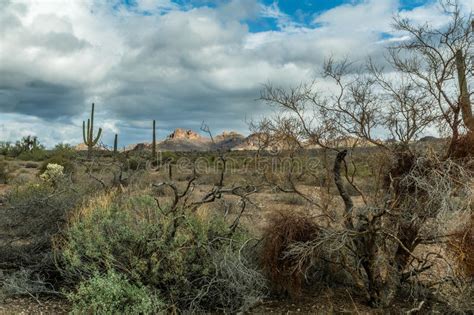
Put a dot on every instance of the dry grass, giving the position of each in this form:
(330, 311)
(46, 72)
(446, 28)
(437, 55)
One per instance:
(464, 147)
(462, 247)
(282, 230)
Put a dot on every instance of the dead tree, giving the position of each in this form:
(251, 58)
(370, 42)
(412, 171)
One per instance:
(431, 57)
(376, 242)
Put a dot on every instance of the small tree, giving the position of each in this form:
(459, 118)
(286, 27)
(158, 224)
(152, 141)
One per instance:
(376, 242)
(431, 57)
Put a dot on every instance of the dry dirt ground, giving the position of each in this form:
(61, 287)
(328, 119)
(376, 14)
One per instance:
(327, 301)
(25, 305)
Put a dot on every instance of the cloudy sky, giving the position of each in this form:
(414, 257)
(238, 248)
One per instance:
(177, 61)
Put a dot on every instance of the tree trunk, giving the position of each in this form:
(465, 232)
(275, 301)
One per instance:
(371, 247)
(348, 204)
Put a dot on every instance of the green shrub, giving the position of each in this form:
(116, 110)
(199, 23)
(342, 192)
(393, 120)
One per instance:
(192, 261)
(134, 163)
(62, 160)
(168, 156)
(5, 147)
(64, 150)
(112, 293)
(5, 172)
(9, 149)
(36, 154)
(32, 214)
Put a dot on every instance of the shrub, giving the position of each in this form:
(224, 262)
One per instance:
(5, 172)
(5, 147)
(191, 260)
(36, 154)
(463, 148)
(64, 150)
(135, 163)
(28, 148)
(168, 157)
(32, 214)
(461, 246)
(31, 165)
(284, 229)
(53, 174)
(23, 282)
(62, 160)
(112, 293)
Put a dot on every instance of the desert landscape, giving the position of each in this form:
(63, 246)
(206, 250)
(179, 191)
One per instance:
(353, 193)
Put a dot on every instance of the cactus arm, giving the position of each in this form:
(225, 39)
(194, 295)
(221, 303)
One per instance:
(84, 132)
(94, 142)
(89, 131)
(92, 124)
(154, 140)
(115, 143)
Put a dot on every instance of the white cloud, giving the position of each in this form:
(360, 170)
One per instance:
(152, 5)
(178, 65)
(364, 17)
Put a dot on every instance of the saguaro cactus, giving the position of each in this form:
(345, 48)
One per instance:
(153, 148)
(115, 144)
(464, 100)
(88, 134)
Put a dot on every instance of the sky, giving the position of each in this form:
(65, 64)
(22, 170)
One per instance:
(179, 62)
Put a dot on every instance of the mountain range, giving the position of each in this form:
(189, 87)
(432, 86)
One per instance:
(186, 140)
(189, 140)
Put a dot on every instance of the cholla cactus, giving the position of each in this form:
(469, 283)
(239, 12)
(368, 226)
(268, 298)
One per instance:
(53, 173)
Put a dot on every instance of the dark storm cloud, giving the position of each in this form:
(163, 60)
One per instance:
(39, 98)
(173, 107)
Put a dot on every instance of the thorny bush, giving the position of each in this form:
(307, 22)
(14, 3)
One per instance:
(191, 260)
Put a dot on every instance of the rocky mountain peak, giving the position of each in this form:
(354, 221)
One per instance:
(184, 134)
(229, 135)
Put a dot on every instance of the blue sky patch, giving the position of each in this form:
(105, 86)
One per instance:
(294, 12)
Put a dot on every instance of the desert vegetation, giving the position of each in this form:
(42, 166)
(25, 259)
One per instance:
(320, 207)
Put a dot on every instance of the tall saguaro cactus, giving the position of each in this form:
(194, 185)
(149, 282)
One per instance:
(153, 148)
(88, 134)
(115, 144)
(464, 101)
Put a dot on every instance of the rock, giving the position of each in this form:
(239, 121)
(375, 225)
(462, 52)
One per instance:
(182, 134)
(227, 140)
(80, 147)
(185, 140)
(141, 146)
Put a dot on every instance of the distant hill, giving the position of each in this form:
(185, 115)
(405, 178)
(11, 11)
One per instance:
(227, 141)
(187, 140)
(83, 147)
(253, 142)
(429, 139)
